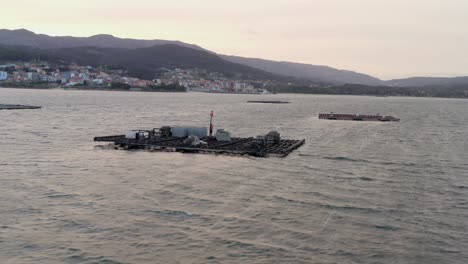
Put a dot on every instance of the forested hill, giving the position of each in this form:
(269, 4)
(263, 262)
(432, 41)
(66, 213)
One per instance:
(459, 91)
(142, 62)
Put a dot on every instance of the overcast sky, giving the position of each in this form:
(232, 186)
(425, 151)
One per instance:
(384, 38)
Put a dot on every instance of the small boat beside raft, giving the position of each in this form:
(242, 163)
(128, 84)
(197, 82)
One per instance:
(358, 117)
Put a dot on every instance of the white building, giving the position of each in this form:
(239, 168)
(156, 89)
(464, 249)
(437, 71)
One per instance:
(3, 75)
(98, 81)
(240, 85)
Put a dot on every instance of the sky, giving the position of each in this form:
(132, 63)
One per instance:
(384, 38)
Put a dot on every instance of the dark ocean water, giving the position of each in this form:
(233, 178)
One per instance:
(357, 192)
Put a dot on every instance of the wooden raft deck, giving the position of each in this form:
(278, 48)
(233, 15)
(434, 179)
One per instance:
(357, 117)
(237, 146)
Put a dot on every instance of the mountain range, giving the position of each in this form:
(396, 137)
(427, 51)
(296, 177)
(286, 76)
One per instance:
(142, 63)
(143, 57)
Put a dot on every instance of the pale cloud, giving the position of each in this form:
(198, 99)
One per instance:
(395, 38)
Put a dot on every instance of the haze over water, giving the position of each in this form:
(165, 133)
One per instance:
(357, 192)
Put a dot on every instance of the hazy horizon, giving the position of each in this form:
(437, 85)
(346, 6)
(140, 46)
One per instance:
(386, 40)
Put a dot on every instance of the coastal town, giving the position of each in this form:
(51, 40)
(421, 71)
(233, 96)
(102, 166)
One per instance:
(73, 76)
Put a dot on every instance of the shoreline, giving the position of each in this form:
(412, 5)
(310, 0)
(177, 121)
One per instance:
(149, 91)
(92, 89)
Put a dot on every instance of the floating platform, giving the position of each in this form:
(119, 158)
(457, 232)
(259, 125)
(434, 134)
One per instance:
(355, 117)
(268, 102)
(263, 146)
(17, 107)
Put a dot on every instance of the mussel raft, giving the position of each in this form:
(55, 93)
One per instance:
(18, 107)
(171, 139)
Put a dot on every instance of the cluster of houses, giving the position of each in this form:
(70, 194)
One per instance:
(203, 81)
(76, 75)
(70, 75)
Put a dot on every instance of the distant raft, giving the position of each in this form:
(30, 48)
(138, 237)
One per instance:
(17, 107)
(357, 117)
(195, 140)
(268, 102)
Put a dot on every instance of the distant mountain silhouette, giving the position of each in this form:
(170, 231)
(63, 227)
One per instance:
(428, 81)
(102, 45)
(299, 70)
(25, 37)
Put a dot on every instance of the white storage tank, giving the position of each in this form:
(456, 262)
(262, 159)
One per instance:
(185, 131)
(179, 132)
(200, 132)
(222, 135)
(131, 134)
